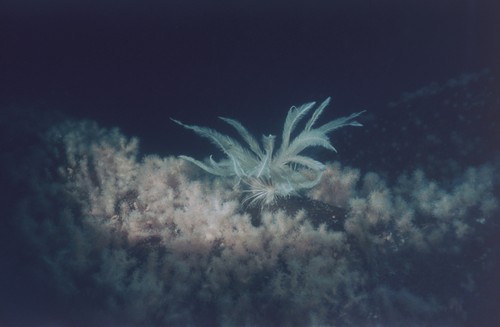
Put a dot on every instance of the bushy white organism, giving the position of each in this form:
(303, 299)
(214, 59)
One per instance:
(266, 173)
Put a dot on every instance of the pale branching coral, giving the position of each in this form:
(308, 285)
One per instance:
(268, 174)
(146, 242)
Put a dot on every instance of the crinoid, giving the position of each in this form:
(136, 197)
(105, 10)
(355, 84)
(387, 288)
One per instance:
(268, 174)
